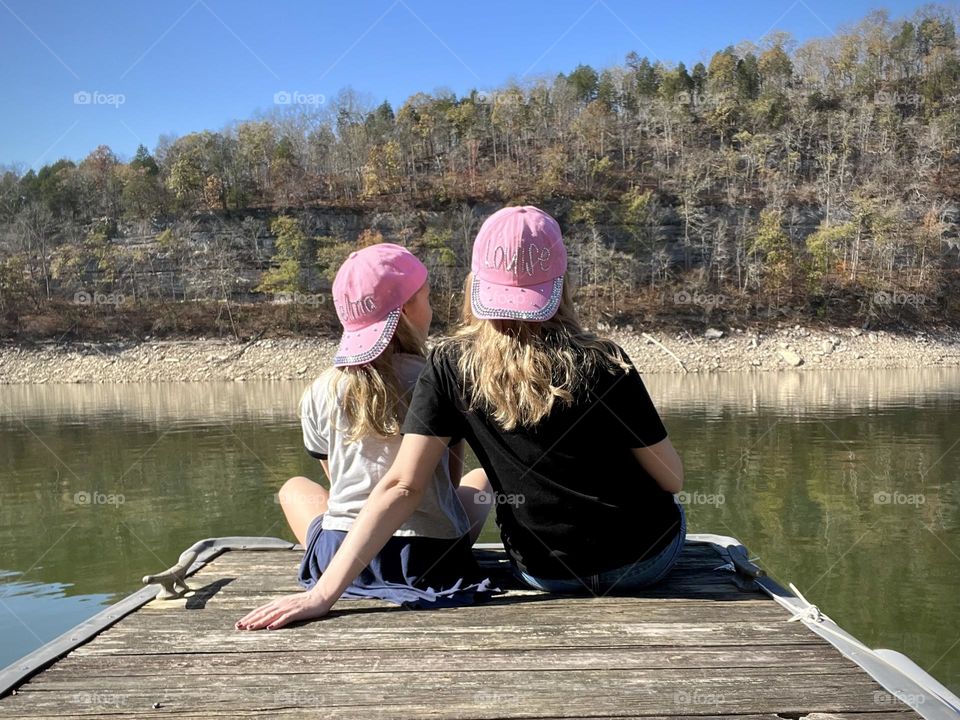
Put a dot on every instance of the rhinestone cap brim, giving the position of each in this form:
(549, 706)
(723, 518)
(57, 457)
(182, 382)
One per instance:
(485, 310)
(389, 323)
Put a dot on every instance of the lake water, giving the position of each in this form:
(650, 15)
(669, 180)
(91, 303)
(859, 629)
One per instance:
(844, 483)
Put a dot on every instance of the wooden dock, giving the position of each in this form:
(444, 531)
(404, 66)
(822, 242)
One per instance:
(706, 642)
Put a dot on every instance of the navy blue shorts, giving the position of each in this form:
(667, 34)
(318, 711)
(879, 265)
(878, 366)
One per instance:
(412, 571)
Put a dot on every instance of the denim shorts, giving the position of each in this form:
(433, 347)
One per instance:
(629, 577)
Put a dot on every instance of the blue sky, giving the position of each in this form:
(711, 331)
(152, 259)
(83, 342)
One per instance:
(186, 65)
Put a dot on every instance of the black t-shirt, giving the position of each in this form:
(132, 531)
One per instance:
(571, 497)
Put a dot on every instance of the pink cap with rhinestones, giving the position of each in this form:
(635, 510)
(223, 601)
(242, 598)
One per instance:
(518, 265)
(371, 287)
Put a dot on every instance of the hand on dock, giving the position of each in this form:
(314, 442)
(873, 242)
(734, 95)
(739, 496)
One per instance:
(283, 611)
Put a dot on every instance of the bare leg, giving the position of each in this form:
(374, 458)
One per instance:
(302, 500)
(476, 496)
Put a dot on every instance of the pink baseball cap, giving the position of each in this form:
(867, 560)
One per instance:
(518, 265)
(370, 288)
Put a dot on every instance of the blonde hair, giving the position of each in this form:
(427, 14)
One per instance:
(516, 370)
(370, 395)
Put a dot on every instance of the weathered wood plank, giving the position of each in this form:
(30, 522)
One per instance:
(399, 634)
(532, 693)
(549, 610)
(788, 659)
(319, 676)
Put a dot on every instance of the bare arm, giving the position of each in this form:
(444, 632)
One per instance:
(392, 501)
(663, 463)
(326, 469)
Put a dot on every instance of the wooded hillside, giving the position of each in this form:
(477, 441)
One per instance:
(811, 182)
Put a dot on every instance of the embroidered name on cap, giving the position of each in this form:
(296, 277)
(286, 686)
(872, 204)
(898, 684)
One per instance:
(355, 309)
(528, 262)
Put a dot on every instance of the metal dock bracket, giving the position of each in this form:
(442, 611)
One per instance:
(173, 580)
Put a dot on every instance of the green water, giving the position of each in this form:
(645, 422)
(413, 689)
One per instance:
(845, 483)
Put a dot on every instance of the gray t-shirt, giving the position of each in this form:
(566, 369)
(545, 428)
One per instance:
(355, 467)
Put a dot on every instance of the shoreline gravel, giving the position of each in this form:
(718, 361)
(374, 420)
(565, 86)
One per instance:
(718, 350)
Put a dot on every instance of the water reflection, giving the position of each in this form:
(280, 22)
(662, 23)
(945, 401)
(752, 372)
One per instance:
(789, 391)
(152, 402)
(804, 392)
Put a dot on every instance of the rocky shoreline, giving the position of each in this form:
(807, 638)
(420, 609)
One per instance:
(717, 350)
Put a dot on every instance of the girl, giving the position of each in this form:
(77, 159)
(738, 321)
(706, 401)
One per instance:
(351, 418)
(583, 473)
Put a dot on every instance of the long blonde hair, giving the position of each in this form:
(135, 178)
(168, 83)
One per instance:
(516, 370)
(370, 395)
